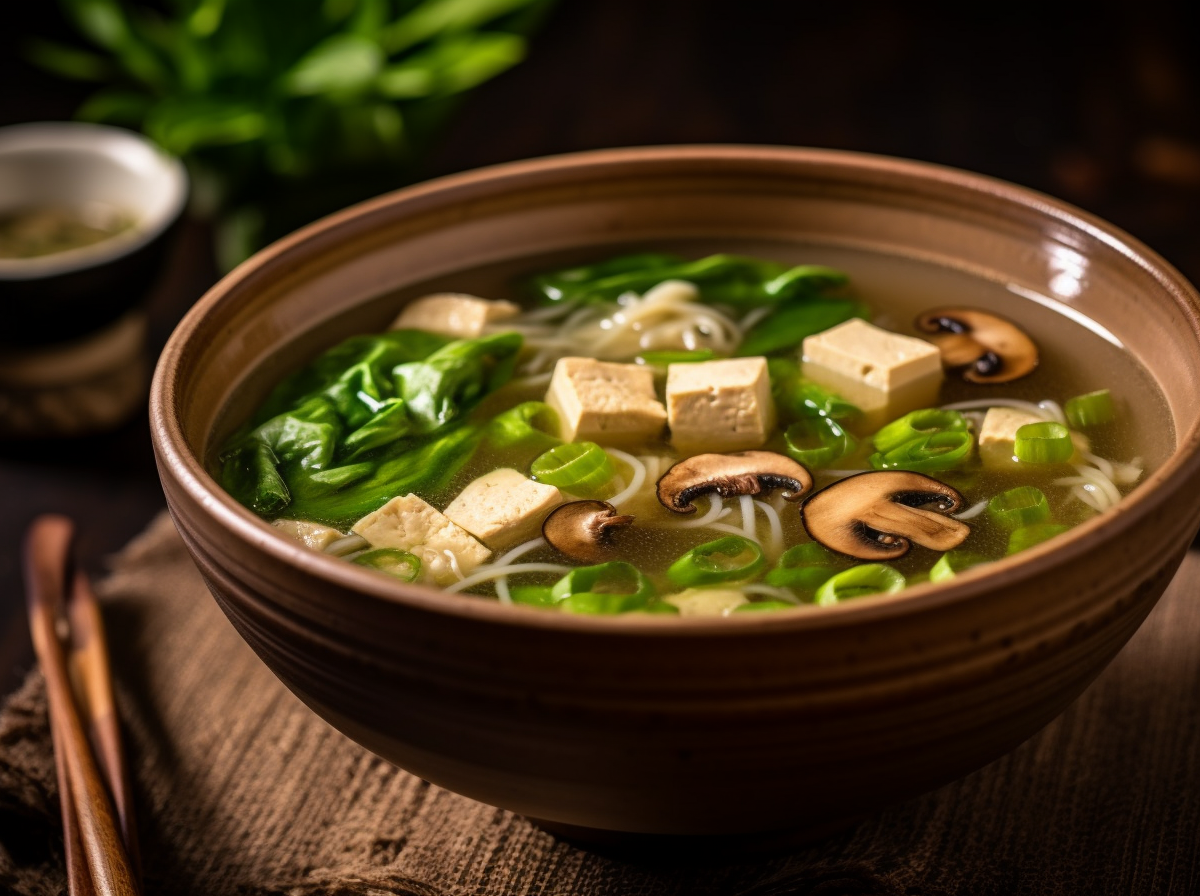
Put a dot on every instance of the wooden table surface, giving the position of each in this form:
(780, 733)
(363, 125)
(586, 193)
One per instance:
(1101, 110)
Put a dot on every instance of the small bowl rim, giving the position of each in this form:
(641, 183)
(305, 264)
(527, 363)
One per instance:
(1022, 569)
(98, 140)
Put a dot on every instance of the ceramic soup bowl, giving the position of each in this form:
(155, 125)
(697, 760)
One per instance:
(757, 722)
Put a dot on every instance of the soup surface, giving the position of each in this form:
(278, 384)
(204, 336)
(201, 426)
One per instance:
(34, 232)
(468, 446)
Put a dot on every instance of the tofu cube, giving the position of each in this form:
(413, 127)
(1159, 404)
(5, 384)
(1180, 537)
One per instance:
(875, 357)
(452, 314)
(607, 403)
(885, 374)
(311, 535)
(503, 507)
(720, 405)
(410, 524)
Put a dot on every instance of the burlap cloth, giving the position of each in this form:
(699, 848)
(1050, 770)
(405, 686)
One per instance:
(242, 790)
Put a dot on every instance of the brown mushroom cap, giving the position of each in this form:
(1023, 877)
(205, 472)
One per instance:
(877, 515)
(740, 473)
(992, 349)
(583, 530)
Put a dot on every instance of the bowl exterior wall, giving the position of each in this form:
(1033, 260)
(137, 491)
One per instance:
(680, 726)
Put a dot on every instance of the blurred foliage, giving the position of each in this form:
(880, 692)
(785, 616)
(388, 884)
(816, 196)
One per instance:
(285, 110)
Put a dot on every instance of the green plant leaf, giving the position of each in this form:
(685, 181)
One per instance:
(68, 62)
(182, 125)
(466, 62)
(101, 21)
(344, 63)
(122, 106)
(442, 16)
(206, 18)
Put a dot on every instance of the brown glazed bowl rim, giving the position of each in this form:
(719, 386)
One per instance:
(339, 230)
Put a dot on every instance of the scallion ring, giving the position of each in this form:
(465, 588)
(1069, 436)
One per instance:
(859, 581)
(818, 441)
(1091, 409)
(1020, 506)
(803, 566)
(915, 425)
(393, 561)
(581, 468)
(940, 451)
(729, 559)
(952, 563)
(1043, 443)
(603, 589)
(1028, 536)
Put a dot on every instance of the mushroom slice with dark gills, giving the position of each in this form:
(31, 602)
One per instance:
(740, 473)
(584, 530)
(988, 347)
(878, 515)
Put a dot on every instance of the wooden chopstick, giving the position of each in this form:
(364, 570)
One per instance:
(89, 821)
(89, 665)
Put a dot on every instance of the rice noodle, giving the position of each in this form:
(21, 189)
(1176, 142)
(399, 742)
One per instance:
(502, 592)
(775, 527)
(985, 403)
(519, 551)
(754, 315)
(1054, 410)
(749, 527)
(731, 529)
(454, 567)
(635, 483)
(973, 511)
(491, 571)
(716, 510)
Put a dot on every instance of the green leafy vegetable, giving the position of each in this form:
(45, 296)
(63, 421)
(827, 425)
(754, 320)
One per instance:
(791, 323)
(285, 110)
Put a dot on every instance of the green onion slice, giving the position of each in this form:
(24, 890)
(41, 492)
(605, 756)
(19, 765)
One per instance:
(914, 425)
(803, 566)
(1092, 409)
(581, 468)
(1028, 536)
(662, 359)
(952, 563)
(605, 589)
(1020, 506)
(532, 595)
(759, 606)
(730, 559)
(818, 441)
(940, 451)
(858, 581)
(1043, 443)
(393, 561)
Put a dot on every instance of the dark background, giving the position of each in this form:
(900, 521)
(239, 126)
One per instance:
(1096, 104)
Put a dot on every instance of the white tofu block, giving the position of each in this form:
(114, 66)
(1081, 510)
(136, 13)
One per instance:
(885, 374)
(707, 601)
(410, 524)
(873, 356)
(503, 507)
(311, 535)
(458, 315)
(998, 432)
(598, 401)
(720, 405)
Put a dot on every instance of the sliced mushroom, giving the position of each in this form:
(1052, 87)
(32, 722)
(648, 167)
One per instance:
(740, 473)
(877, 515)
(992, 349)
(584, 530)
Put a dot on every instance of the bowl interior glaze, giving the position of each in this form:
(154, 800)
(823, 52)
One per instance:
(684, 726)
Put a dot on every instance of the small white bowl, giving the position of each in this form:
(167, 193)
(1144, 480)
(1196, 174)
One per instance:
(65, 295)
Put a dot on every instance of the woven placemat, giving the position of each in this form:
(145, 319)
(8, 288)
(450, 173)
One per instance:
(240, 789)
